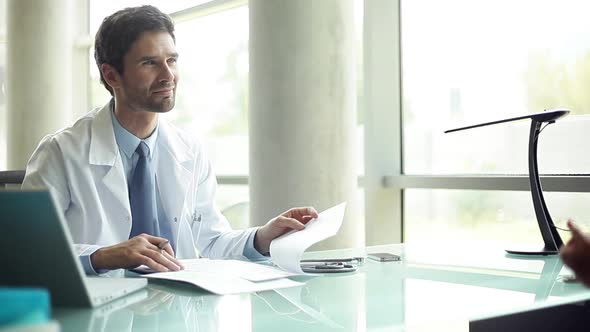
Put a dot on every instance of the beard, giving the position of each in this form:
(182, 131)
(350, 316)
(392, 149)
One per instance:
(159, 105)
(143, 100)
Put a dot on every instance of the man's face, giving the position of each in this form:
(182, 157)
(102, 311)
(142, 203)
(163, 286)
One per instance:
(150, 76)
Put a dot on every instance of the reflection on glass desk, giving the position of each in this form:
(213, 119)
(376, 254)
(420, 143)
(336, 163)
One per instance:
(445, 289)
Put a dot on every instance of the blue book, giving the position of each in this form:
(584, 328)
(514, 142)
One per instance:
(24, 306)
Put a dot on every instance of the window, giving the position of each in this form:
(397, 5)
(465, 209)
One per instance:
(488, 216)
(212, 100)
(437, 65)
(465, 63)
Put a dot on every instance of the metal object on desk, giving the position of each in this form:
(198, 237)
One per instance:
(355, 260)
(331, 265)
(327, 267)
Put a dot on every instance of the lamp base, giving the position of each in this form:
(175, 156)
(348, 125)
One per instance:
(533, 251)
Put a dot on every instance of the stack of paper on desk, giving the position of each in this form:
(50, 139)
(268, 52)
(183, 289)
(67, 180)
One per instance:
(234, 276)
(228, 276)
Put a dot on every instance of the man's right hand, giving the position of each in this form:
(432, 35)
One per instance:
(139, 250)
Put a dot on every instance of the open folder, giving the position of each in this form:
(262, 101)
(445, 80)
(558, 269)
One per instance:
(235, 276)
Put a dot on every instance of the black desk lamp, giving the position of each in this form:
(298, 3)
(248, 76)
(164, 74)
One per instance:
(548, 230)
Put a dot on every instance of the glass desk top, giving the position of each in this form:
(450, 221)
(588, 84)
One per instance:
(432, 286)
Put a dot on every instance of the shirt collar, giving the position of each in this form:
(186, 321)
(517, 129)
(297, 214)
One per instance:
(128, 142)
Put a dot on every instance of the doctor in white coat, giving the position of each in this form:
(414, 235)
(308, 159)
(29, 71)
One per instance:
(87, 166)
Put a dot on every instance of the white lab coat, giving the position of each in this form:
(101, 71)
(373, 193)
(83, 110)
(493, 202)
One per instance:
(81, 166)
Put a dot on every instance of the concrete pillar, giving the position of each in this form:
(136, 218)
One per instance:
(302, 111)
(38, 71)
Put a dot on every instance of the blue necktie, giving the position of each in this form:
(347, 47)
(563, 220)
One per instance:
(142, 198)
(142, 195)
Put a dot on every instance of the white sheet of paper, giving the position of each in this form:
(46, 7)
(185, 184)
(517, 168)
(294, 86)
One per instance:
(242, 269)
(286, 251)
(222, 283)
(247, 270)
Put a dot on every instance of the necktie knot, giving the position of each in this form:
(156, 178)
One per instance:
(142, 149)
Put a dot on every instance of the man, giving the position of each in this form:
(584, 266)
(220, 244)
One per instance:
(133, 189)
(576, 254)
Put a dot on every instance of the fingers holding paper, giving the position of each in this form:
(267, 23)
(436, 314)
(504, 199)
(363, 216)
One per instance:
(303, 214)
(293, 219)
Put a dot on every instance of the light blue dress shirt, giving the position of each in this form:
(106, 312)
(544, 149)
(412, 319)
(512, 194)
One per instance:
(128, 143)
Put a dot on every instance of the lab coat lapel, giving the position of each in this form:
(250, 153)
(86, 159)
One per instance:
(104, 151)
(173, 175)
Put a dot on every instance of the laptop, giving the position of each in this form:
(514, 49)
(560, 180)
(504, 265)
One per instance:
(36, 250)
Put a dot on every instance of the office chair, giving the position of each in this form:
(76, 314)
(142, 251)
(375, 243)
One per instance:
(11, 177)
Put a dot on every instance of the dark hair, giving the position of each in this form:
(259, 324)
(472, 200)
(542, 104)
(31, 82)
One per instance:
(120, 30)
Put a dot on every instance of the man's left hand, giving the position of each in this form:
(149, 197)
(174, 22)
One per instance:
(295, 218)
